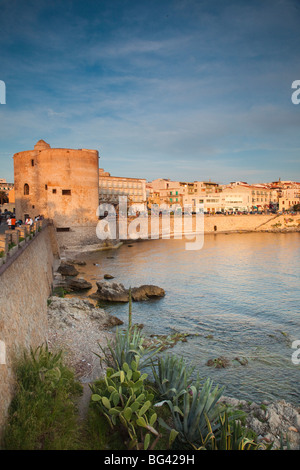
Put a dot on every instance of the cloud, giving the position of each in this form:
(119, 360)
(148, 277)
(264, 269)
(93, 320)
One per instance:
(201, 82)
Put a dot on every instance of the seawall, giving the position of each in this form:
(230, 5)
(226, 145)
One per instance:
(25, 284)
(165, 227)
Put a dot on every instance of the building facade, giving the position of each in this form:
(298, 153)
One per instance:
(112, 187)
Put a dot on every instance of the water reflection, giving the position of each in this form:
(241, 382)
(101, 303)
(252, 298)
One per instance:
(239, 295)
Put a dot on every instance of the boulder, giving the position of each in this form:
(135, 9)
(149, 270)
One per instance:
(111, 292)
(146, 292)
(76, 261)
(67, 269)
(77, 284)
(108, 276)
(77, 312)
(116, 292)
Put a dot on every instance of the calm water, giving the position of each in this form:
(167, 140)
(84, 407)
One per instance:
(239, 296)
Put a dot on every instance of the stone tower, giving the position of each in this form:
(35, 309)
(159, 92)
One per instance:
(60, 184)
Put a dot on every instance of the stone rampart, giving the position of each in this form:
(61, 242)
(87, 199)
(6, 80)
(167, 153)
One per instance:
(25, 284)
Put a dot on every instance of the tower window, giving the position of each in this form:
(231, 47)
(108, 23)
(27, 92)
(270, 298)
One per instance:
(66, 192)
(46, 186)
(32, 162)
(26, 189)
(54, 191)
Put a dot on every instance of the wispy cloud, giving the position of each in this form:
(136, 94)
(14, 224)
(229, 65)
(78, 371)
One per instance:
(179, 87)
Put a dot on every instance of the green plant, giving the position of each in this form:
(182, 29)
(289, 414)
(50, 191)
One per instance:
(2, 254)
(59, 292)
(42, 414)
(128, 345)
(229, 435)
(11, 245)
(190, 410)
(125, 401)
(171, 375)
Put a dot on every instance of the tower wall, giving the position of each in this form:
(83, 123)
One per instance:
(63, 185)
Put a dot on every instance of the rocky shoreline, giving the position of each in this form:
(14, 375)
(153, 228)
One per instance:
(77, 327)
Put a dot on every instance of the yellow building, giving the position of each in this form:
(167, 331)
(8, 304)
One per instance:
(289, 198)
(112, 187)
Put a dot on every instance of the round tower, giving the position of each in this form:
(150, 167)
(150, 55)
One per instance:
(60, 184)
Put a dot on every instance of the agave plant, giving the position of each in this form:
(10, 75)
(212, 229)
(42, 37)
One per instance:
(229, 435)
(190, 410)
(171, 375)
(128, 345)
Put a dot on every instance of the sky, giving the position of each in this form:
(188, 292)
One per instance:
(181, 89)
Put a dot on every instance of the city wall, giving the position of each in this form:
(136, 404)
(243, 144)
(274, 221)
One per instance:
(175, 226)
(25, 284)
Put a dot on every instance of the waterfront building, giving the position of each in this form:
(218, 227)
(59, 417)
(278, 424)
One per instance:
(175, 195)
(8, 189)
(289, 198)
(112, 187)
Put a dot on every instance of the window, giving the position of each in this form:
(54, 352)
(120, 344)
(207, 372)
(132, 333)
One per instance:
(32, 162)
(46, 187)
(66, 192)
(54, 191)
(26, 189)
(62, 229)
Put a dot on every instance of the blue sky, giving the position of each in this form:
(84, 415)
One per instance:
(179, 89)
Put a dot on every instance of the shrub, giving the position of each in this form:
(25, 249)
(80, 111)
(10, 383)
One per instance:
(128, 345)
(42, 414)
(125, 402)
(230, 435)
(171, 375)
(191, 409)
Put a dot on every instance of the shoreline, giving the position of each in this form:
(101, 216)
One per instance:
(80, 250)
(72, 323)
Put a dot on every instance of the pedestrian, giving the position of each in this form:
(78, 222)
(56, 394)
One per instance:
(13, 222)
(8, 221)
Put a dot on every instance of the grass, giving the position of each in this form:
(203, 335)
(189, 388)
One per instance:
(43, 414)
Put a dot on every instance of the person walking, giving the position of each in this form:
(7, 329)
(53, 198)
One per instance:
(13, 222)
(8, 221)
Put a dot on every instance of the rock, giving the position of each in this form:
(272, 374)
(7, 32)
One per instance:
(75, 261)
(270, 421)
(111, 292)
(63, 311)
(67, 269)
(77, 284)
(77, 327)
(116, 292)
(218, 363)
(146, 292)
(108, 276)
